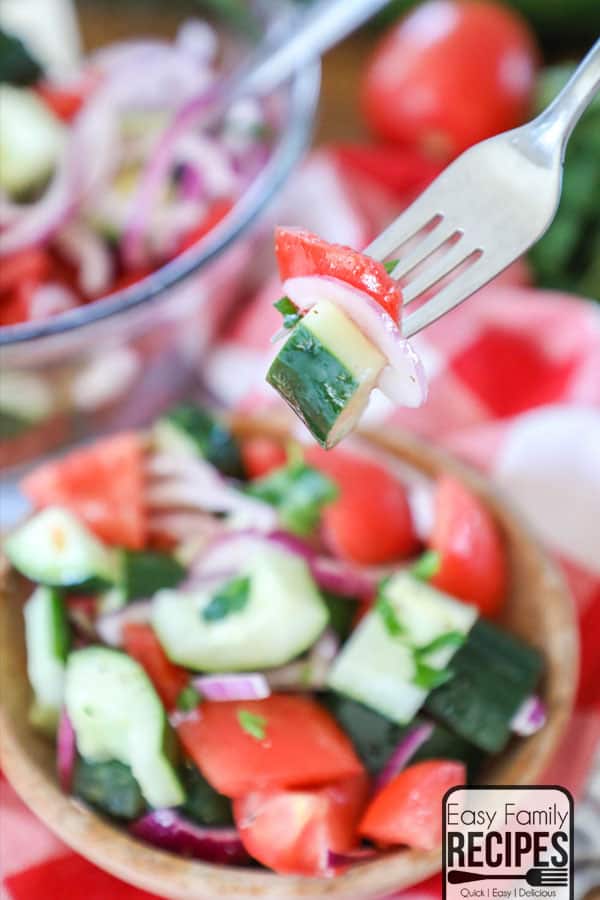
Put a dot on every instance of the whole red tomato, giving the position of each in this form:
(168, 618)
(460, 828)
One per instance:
(451, 73)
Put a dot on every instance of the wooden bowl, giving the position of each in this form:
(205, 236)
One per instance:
(539, 609)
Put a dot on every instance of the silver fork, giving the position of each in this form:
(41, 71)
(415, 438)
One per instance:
(486, 209)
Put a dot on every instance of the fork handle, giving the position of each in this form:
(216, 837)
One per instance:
(559, 119)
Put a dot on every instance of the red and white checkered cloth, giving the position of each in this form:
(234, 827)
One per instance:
(514, 389)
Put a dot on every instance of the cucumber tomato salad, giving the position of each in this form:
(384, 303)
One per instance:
(252, 652)
(112, 173)
(342, 314)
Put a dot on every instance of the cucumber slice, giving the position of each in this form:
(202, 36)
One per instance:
(111, 601)
(111, 207)
(31, 140)
(26, 396)
(281, 617)
(54, 548)
(117, 715)
(196, 432)
(326, 371)
(375, 738)
(17, 65)
(109, 787)
(47, 641)
(380, 664)
(203, 804)
(342, 613)
(444, 744)
(494, 672)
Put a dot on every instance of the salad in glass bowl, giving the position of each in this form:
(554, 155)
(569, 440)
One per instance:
(99, 184)
(251, 651)
(125, 228)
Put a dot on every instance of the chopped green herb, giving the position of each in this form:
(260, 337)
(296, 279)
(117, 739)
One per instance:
(427, 565)
(290, 312)
(428, 678)
(252, 724)
(390, 265)
(388, 614)
(232, 597)
(449, 639)
(188, 699)
(298, 492)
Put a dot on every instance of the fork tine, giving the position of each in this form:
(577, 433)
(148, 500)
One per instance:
(437, 269)
(431, 242)
(401, 230)
(448, 297)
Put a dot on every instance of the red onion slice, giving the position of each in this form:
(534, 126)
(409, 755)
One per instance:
(166, 829)
(132, 244)
(310, 673)
(331, 574)
(242, 686)
(66, 752)
(41, 219)
(343, 578)
(89, 252)
(50, 299)
(530, 717)
(403, 753)
(231, 550)
(210, 160)
(403, 380)
(178, 480)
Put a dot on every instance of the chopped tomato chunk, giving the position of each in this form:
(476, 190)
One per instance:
(293, 832)
(300, 252)
(102, 484)
(32, 265)
(262, 455)
(408, 810)
(473, 564)
(371, 521)
(284, 741)
(141, 643)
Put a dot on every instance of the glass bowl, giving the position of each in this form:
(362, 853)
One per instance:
(117, 362)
